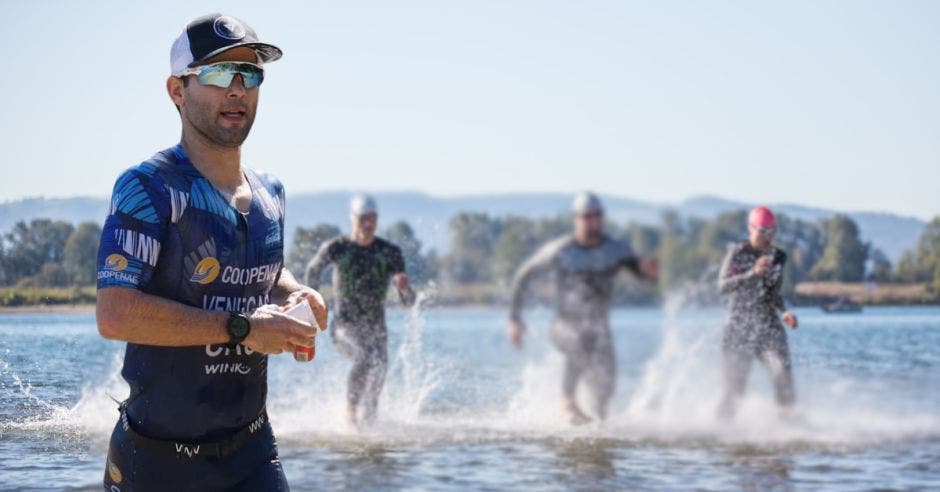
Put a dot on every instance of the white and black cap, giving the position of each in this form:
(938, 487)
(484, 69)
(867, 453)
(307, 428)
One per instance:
(207, 36)
(586, 202)
(362, 204)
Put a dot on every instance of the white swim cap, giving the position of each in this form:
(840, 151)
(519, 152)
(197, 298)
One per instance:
(362, 204)
(586, 202)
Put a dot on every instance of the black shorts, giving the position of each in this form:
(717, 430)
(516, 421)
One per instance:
(253, 467)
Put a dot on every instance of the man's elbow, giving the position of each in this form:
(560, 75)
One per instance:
(110, 315)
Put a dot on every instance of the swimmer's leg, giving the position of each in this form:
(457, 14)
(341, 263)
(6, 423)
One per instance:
(566, 339)
(377, 360)
(736, 364)
(353, 348)
(776, 357)
(601, 378)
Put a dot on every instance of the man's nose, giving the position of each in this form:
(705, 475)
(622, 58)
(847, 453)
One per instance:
(237, 87)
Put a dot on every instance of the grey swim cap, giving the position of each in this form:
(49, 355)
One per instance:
(586, 202)
(362, 204)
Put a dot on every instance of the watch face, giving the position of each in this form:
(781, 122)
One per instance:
(238, 327)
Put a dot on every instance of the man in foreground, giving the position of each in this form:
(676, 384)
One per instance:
(192, 245)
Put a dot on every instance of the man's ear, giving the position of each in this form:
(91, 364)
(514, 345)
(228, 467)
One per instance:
(174, 87)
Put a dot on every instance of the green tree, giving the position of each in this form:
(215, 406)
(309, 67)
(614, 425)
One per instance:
(845, 254)
(922, 264)
(306, 242)
(517, 240)
(79, 257)
(401, 234)
(880, 267)
(30, 246)
(472, 238)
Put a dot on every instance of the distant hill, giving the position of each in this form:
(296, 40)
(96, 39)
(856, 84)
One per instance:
(429, 215)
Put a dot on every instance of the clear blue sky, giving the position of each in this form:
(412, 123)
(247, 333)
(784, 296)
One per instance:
(833, 104)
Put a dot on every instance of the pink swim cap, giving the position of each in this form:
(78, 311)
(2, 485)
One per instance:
(761, 216)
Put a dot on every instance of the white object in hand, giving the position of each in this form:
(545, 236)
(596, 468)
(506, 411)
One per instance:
(302, 311)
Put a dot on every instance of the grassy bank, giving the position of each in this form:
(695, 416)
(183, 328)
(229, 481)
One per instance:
(864, 293)
(806, 293)
(17, 297)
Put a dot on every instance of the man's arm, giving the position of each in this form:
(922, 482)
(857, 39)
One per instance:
(133, 316)
(288, 292)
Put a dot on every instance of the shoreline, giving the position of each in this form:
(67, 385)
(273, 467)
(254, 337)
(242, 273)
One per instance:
(48, 308)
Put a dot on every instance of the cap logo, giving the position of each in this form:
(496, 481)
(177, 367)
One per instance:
(228, 28)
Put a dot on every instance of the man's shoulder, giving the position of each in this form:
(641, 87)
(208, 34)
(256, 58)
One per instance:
(159, 169)
(555, 246)
(270, 181)
(335, 243)
(386, 245)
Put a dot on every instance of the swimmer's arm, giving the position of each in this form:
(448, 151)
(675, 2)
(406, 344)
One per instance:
(405, 292)
(645, 268)
(317, 264)
(537, 264)
(728, 282)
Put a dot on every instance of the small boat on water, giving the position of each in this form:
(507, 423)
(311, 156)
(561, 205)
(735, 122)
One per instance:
(842, 305)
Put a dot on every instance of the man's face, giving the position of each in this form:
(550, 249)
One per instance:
(223, 116)
(589, 226)
(365, 224)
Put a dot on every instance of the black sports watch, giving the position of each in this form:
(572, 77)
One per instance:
(238, 327)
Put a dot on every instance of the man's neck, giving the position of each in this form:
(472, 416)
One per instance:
(220, 165)
(361, 240)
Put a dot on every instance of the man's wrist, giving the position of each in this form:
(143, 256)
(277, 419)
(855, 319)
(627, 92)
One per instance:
(237, 328)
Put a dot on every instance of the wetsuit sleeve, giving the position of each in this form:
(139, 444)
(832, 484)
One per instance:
(631, 262)
(780, 260)
(536, 265)
(396, 266)
(729, 279)
(396, 261)
(318, 263)
(134, 231)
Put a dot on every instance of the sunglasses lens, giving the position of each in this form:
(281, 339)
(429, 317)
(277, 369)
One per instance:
(222, 74)
(215, 77)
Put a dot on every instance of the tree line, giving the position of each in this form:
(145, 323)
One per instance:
(487, 250)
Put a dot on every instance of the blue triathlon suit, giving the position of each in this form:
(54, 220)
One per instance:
(171, 234)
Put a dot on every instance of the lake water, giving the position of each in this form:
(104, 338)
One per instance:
(463, 411)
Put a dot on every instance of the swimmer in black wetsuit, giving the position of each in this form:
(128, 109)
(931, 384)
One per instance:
(363, 264)
(584, 264)
(752, 275)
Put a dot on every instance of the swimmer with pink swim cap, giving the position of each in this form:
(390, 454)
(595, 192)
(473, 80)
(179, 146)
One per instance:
(752, 277)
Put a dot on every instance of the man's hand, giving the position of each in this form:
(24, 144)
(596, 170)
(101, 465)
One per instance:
(515, 330)
(789, 319)
(273, 332)
(649, 268)
(762, 264)
(314, 299)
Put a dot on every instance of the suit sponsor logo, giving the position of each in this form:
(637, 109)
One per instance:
(206, 271)
(249, 276)
(115, 263)
(187, 449)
